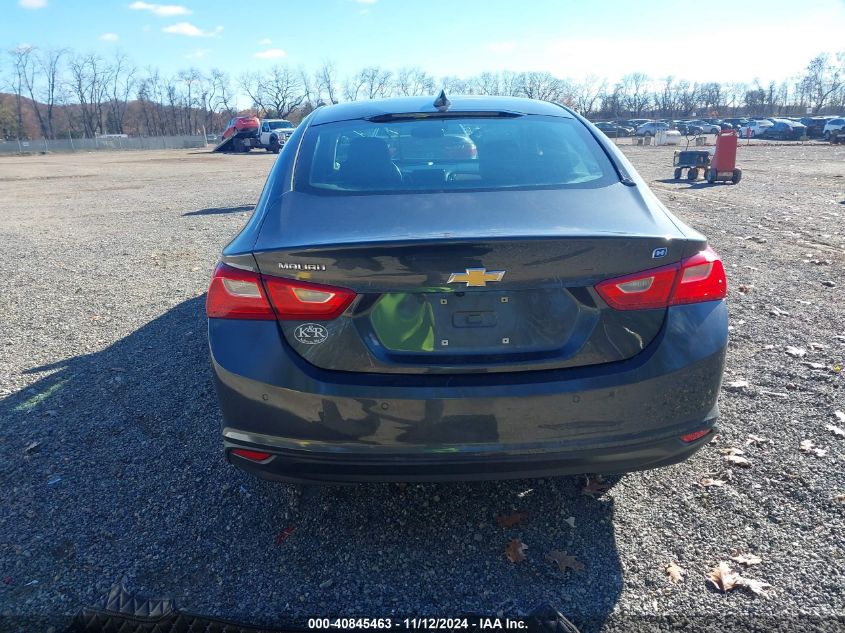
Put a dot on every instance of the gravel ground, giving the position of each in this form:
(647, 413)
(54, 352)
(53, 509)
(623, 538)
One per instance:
(111, 464)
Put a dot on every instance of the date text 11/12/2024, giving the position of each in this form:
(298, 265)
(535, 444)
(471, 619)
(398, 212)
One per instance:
(419, 624)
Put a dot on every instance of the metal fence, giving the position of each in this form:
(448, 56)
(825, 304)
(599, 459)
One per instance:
(39, 146)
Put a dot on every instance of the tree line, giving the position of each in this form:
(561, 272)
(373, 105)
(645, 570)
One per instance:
(56, 93)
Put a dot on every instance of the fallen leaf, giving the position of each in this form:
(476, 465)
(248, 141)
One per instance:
(812, 365)
(840, 498)
(723, 578)
(738, 556)
(774, 394)
(564, 561)
(731, 451)
(756, 440)
(509, 520)
(835, 430)
(760, 587)
(282, 536)
(738, 460)
(595, 486)
(809, 447)
(706, 482)
(515, 551)
(676, 574)
(796, 352)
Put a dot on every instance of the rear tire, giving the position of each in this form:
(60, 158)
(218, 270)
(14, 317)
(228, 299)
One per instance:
(692, 174)
(678, 172)
(274, 145)
(737, 176)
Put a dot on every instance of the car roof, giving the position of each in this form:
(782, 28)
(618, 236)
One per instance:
(401, 105)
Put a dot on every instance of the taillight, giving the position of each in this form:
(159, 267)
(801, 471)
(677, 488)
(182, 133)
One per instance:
(695, 435)
(702, 279)
(300, 301)
(253, 456)
(242, 294)
(237, 294)
(697, 278)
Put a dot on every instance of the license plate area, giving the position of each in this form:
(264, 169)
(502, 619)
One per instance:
(478, 322)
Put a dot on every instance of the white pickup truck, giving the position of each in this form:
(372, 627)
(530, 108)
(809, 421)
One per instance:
(273, 133)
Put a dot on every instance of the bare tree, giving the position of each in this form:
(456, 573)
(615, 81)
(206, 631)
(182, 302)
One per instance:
(282, 91)
(634, 92)
(588, 93)
(545, 86)
(50, 63)
(122, 83)
(376, 82)
(823, 79)
(253, 85)
(309, 91)
(326, 82)
(20, 58)
(413, 82)
(223, 98)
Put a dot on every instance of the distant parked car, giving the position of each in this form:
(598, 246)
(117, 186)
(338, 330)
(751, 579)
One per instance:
(613, 130)
(210, 138)
(723, 125)
(756, 126)
(688, 129)
(627, 123)
(785, 130)
(706, 128)
(737, 123)
(833, 126)
(815, 125)
(638, 122)
(651, 128)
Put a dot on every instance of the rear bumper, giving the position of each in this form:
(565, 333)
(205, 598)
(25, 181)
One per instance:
(333, 426)
(330, 467)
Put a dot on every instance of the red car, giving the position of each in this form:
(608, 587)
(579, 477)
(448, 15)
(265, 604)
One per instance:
(241, 127)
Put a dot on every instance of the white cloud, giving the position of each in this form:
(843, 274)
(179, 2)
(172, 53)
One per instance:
(32, 4)
(198, 53)
(109, 37)
(501, 47)
(161, 10)
(271, 53)
(265, 42)
(189, 30)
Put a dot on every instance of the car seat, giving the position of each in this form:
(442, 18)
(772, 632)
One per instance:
(368, 165)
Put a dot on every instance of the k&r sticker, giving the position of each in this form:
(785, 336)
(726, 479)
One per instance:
(311, 333)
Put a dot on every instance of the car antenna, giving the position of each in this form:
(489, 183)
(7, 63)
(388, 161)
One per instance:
(442, 102)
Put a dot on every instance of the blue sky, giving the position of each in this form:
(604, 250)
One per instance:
(769, 39)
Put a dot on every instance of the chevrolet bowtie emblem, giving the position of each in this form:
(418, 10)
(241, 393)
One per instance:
(476, 276)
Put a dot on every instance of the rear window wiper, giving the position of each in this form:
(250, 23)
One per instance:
(415, 116)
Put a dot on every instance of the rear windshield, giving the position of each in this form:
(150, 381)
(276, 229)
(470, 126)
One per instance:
(434, 154)
(277, 125)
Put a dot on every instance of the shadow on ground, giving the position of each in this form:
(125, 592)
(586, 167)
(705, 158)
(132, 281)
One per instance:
(220, 210)
(127, 482)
